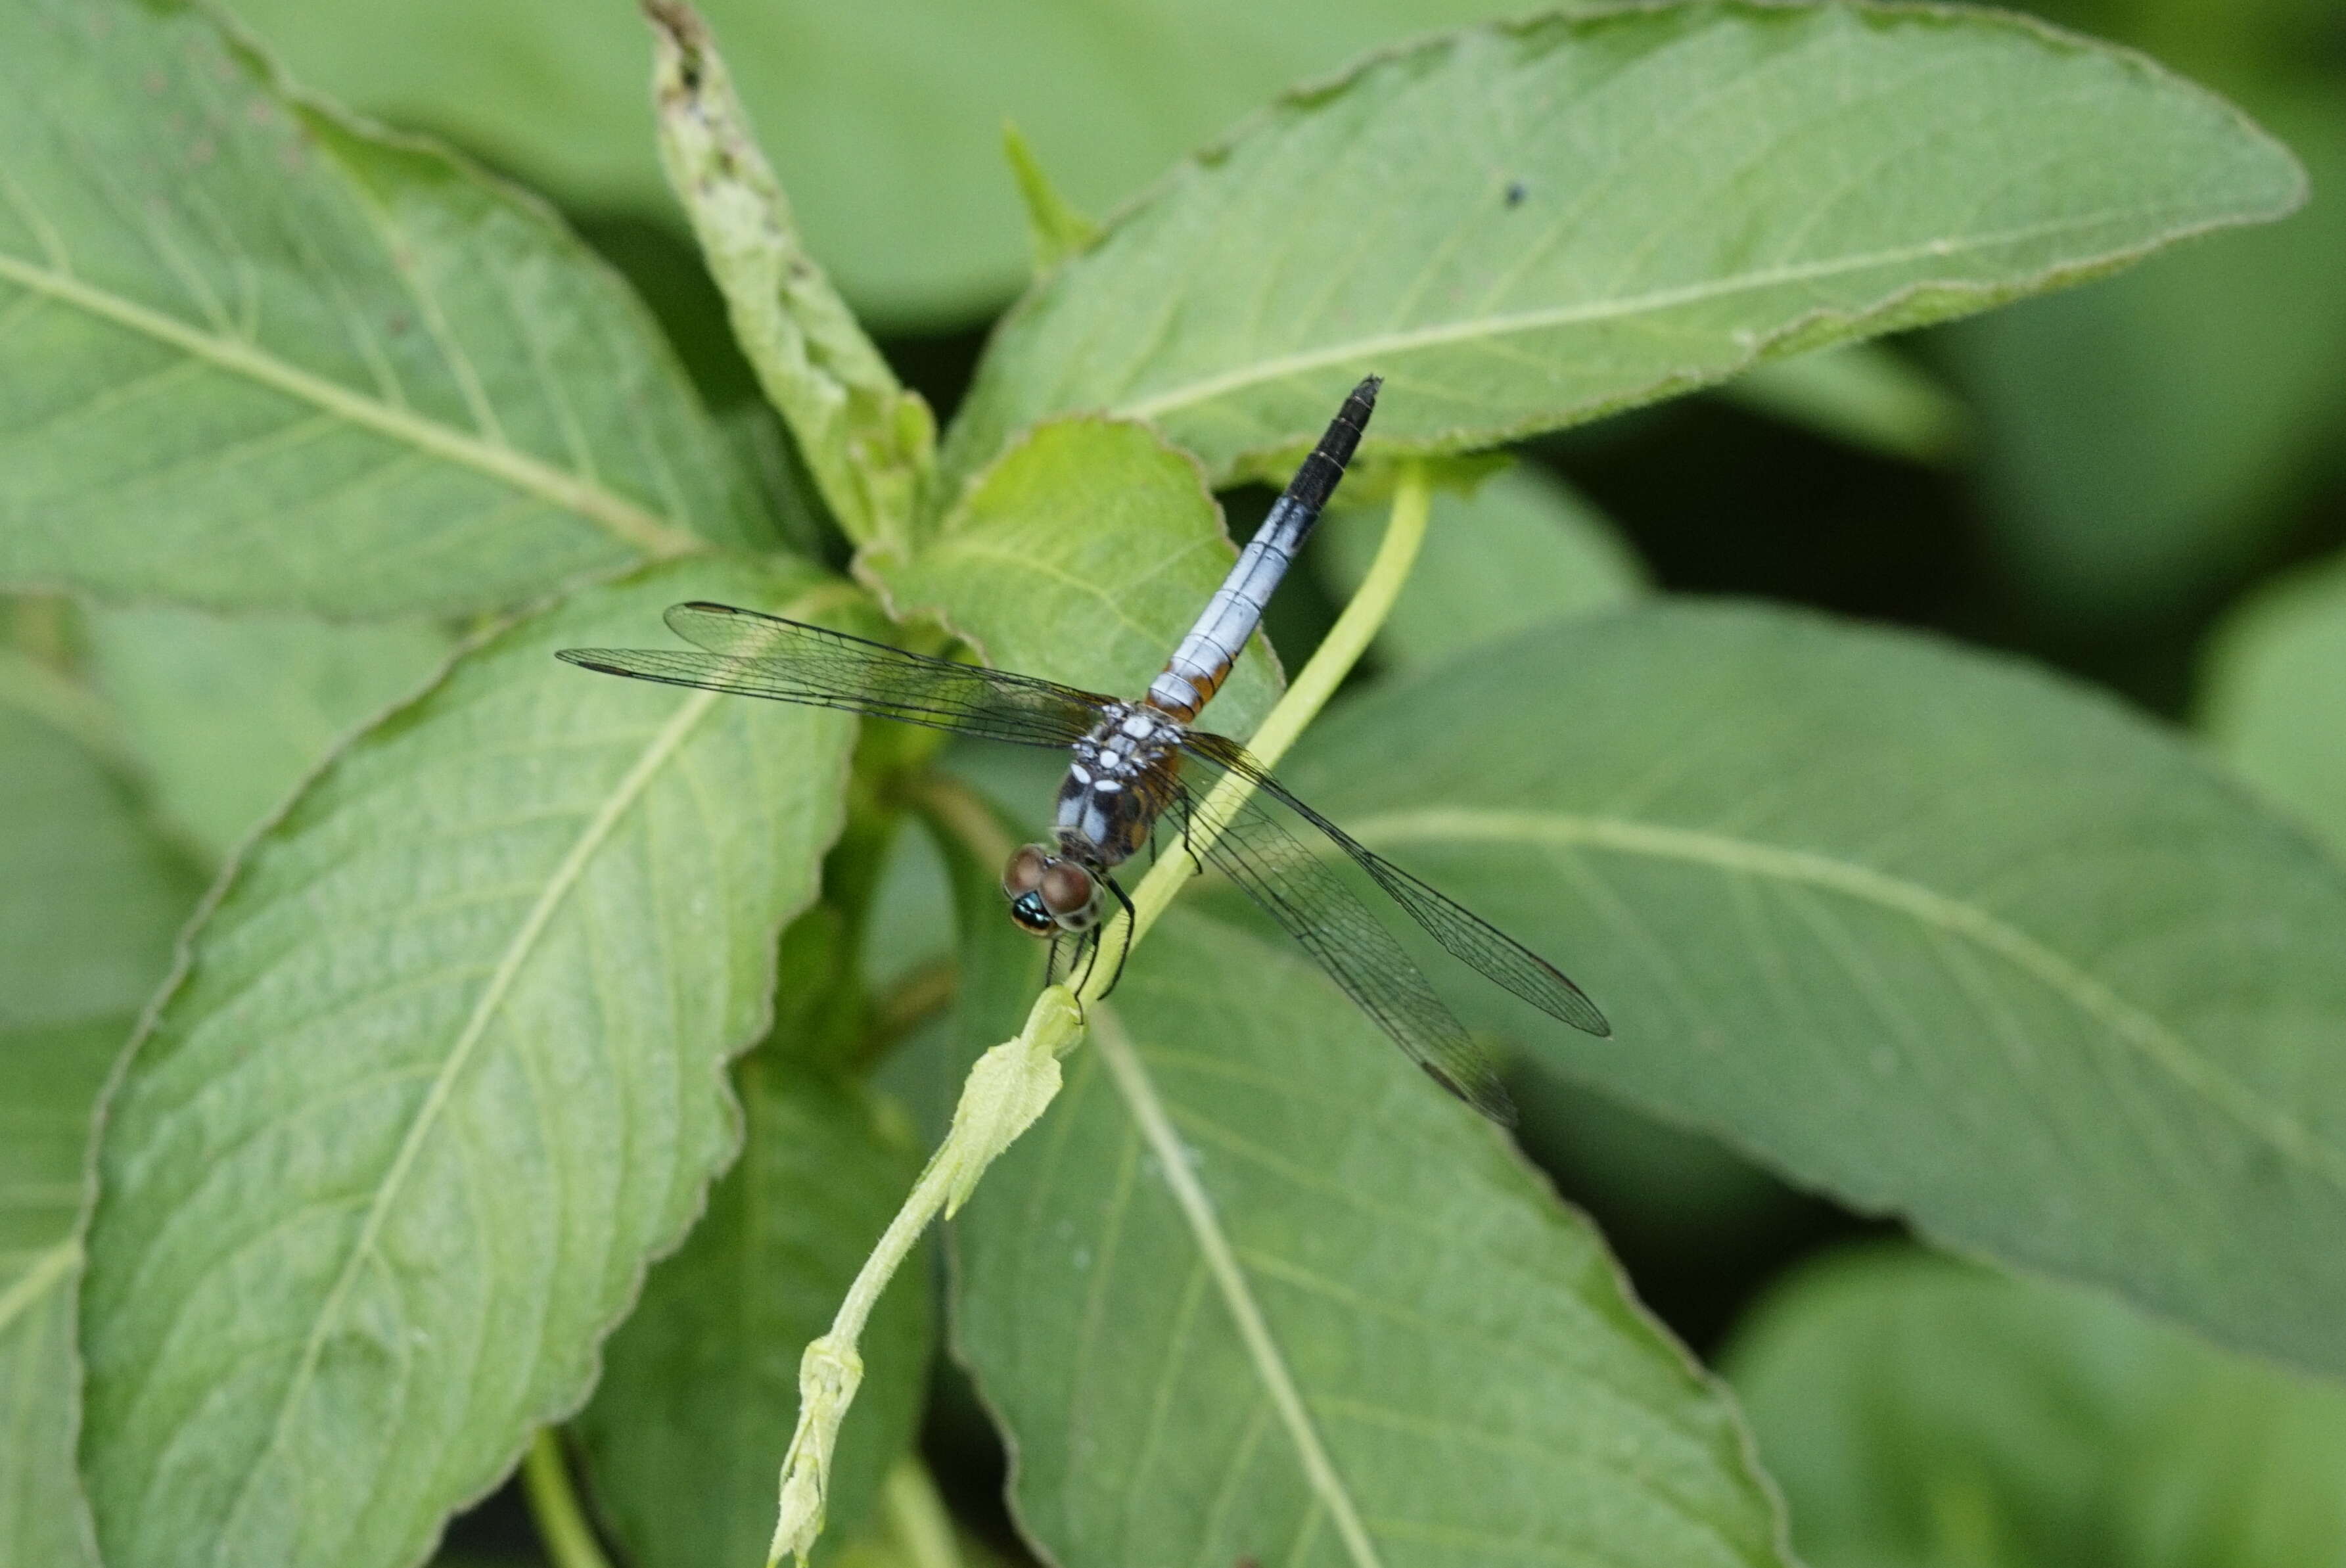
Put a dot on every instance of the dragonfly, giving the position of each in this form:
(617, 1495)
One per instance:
(1137, 765)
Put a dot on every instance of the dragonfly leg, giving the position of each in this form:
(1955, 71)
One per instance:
(1131, 918)
(1188, 808)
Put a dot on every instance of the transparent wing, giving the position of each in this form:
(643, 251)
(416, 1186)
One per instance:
(1303, 894)
(1466, 936)
(754, 654)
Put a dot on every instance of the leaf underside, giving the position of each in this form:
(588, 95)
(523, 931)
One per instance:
(444, 1070)
(1358, 1330)
(253, 355)
(1931, 931)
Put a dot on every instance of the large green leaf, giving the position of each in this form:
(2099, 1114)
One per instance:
(1521, 550)
(1920, 1413)
(1935, 933)
(1528, 224)
(884, 118)
(256, 354)
(1082, 554)
(700, 1385)
(1254, 1289)
(89, 898)
(444, 1070)
(2273, 696)
(228, 715)
(2146, 437)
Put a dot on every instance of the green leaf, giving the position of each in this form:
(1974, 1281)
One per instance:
(700, 1385)
(1933, 932)
(1055, 230)
(1527, 224)
(229, 715)
(866, 440)
(2273, 696)
(444, 1072)
(259, 356)
(1522, 549)
(1081, 556)
(89, 898)
(884, 118)
(1254, 1289)
(49, 1080)
(2147, 437)
(1860, 394)
(1919, 1414)
(89, 901)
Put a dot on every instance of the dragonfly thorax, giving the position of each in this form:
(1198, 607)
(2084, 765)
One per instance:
(1119, 781)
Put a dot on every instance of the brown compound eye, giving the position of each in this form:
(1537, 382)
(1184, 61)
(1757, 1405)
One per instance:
(1022, 881)
(1025, 872)
(1068, 892)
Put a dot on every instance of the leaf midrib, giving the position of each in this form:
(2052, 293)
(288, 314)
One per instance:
(2147, 1034)
(1351, 351)
(624, 519)
(1116, 1050)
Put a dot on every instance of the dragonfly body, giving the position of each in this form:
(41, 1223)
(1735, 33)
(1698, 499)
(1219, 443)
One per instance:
(1127, 772)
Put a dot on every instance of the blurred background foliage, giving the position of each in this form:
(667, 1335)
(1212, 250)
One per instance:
(2142, 481)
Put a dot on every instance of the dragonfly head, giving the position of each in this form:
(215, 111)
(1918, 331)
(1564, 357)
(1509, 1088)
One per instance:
(1050, 893)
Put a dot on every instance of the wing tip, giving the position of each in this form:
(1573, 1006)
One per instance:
(1488, 1095)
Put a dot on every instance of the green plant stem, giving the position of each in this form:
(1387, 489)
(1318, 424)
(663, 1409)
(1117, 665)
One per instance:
(1012, 1084)
(562, 1526)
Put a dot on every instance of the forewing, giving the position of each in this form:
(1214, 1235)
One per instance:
(1306, 897)
(753, 654)
(1464, 935)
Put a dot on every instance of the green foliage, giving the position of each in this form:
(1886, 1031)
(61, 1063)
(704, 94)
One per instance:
(1861, 393)
(866, 440)
(883, 117)
(424, 1147)
(1085, 523)
(1521, 550)
(1253, 1292)
(1923, 1414)
(2142, 434)
(1741, 221)
(1055, 230)
(699, 1385)
(89, 898)
(389, 1159)
(229, 714)
(2274, 700)
(260, 357)
(1910, 922)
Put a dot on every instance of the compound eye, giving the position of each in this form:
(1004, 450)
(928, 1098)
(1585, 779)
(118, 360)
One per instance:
(1067, 889)
(1025, 872)
(1032, 918)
